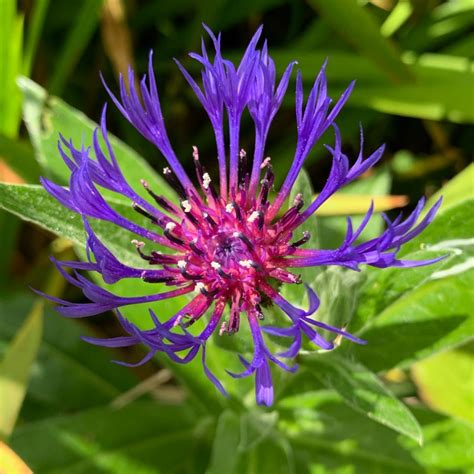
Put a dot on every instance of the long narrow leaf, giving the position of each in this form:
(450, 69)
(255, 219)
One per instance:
(15, 369)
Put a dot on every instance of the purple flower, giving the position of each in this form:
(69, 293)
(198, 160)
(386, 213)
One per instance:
(227, 246)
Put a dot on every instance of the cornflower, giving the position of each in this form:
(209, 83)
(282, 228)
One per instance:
(225, 244)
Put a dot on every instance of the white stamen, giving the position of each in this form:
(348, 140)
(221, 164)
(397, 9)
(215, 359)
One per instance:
(298, 199)
(200, 285)
(223, 328)
(246, 263)
(236, 234)
(138, 244)
(178, 320)
(242, 153)
(206, 180)
(144, 183)
(265, 162)
(166, 170)
(215, 265)
(182, 263)
(253, 217)
(170, 226)
(229, 207)
(195, 152)
(186, 205)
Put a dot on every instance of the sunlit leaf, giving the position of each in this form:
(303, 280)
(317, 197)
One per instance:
(32, 203)
(11, 42)
(226, 441)
(66, 367)
(47, 116)
(363, 391)
(359, 28)
(328, 437)
(145, 438)
(15, 368)
(444, 382)
(435, 317)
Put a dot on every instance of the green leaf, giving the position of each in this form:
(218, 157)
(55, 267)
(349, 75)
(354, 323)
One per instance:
(144, 438)
(33, 204)
(47, 116)
(250, 444)
(363, 391)
(456, 190)
(397, 17)
(226, 441)
(35, 27)
(452, 228)
(384, 287)
(439, 92)
(360, 29)
(11, 42)
(438, 25)
(275, 456)
(86, 19)
(444, 382)
(330, 438)
(437, 316)
(68, 374)
(408, 314)
(15, 368)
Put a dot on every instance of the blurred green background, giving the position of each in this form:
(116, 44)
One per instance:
(65, 408)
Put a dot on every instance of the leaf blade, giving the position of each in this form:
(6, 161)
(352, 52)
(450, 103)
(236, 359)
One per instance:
(363, 391)
(16, 366)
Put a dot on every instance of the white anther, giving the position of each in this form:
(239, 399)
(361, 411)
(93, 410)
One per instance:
(246, 263)
(182, 263)
(138, 244)
(223, 328)
(236, 234)
(297, 199)
(177, 321)
(242, 153)
(229, 207)
(200, 285)
(206, 180)
(253, 217)
(170, 226)
(195, 153)
(166, 170)
(215, 265)
(265, 162)
(186, 205)
(144, 183)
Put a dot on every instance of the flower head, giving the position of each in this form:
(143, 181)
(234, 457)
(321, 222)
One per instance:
(228, 246)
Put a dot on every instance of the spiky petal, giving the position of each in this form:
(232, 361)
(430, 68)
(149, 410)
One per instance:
(224, 244)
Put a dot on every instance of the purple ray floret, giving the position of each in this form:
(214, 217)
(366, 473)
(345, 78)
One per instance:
(226, 247)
